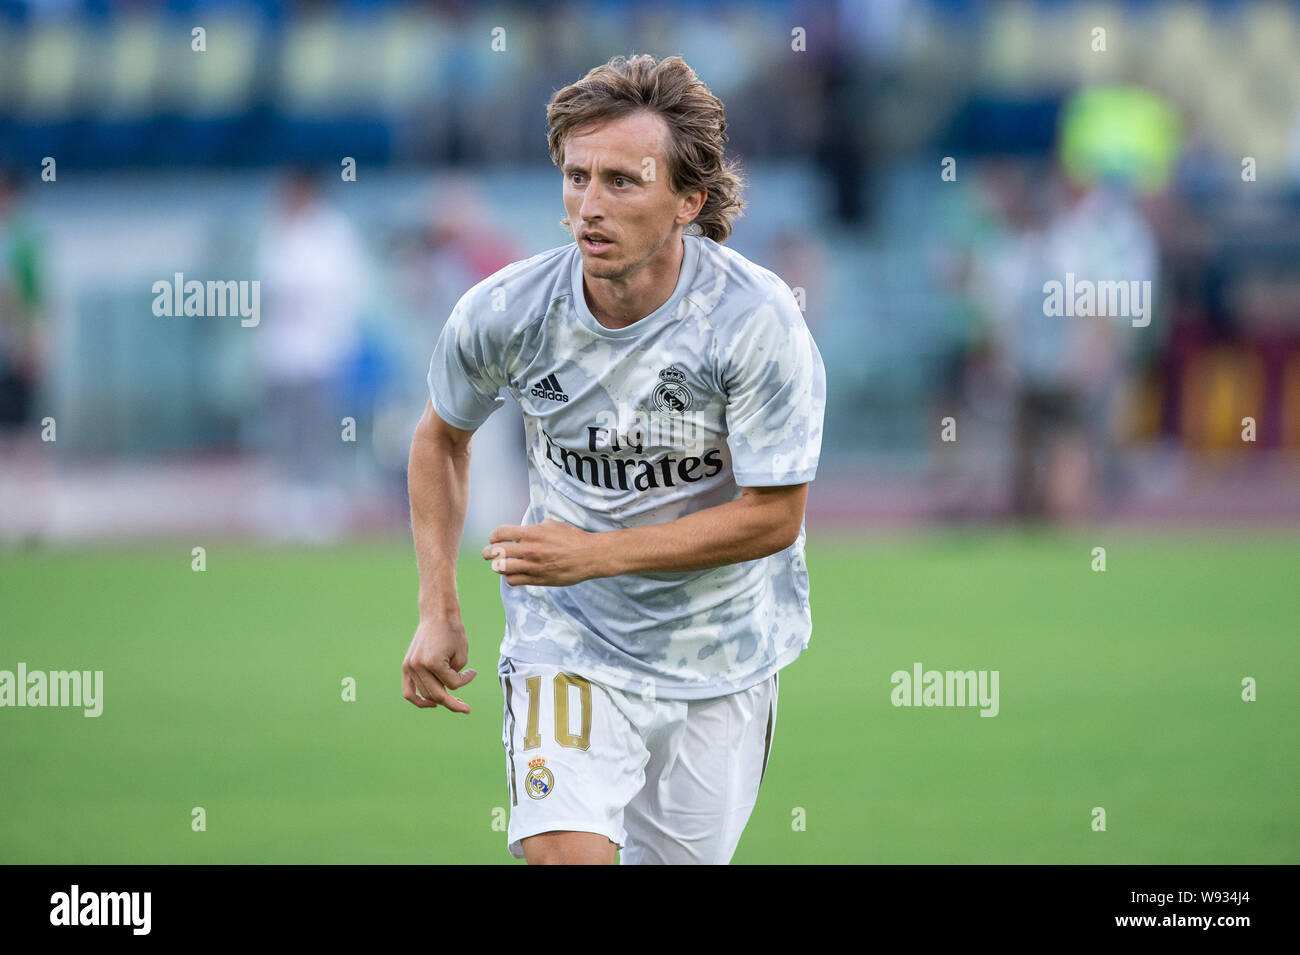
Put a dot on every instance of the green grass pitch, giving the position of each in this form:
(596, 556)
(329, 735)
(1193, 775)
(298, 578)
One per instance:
(222, 689)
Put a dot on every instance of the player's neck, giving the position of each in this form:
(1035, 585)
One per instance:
(618, 303)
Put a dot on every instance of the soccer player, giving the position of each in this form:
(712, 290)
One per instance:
(673, 400)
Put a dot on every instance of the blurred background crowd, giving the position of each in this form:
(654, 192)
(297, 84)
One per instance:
(918, 168)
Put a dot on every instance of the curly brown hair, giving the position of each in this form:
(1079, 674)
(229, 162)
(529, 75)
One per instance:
(697, 128)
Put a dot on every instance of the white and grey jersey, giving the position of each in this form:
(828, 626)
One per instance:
(721, 387)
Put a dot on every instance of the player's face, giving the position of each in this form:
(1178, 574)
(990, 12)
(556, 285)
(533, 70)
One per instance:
(616, 189)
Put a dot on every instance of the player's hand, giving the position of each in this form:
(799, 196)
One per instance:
(549, 554)
(434, 664)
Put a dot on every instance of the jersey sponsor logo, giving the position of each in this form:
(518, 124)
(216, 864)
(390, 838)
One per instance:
(549, 387)
(625, 472)
(539, 782)
(671, 396)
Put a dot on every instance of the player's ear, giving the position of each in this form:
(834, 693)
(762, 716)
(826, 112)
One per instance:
(692, 203)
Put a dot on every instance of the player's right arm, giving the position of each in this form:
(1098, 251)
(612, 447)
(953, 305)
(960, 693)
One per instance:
(438, 481)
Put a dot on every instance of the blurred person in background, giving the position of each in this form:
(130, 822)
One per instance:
(1065, 372)
(312, 268)
(23, 351)
(1068, 371)
(460, 248)
(974, 266)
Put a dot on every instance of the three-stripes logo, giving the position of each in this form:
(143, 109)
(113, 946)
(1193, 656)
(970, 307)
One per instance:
(549, 387)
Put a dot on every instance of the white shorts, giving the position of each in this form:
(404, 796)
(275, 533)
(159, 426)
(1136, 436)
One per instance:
(667, 781)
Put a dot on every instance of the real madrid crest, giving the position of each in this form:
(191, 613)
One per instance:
(539, 781)
(671, 396)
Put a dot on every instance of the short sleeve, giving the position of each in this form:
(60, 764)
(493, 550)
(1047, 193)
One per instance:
(776, 398)
(465, 375)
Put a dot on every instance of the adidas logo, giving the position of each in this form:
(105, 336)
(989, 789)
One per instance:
(549, 387)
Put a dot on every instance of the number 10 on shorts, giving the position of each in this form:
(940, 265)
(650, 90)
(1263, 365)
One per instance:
(563, 683)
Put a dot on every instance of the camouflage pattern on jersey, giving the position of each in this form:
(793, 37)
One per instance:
(722, 387)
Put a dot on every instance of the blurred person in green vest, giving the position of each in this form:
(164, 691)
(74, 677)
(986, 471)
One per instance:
(22, 367)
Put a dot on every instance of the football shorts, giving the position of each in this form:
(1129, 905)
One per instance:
(667, 781)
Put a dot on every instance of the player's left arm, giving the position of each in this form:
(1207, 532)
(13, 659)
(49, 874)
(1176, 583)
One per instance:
(762, 521)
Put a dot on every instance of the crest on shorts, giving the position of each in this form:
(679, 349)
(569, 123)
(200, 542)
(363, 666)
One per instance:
(539, 781)
(671, 396)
